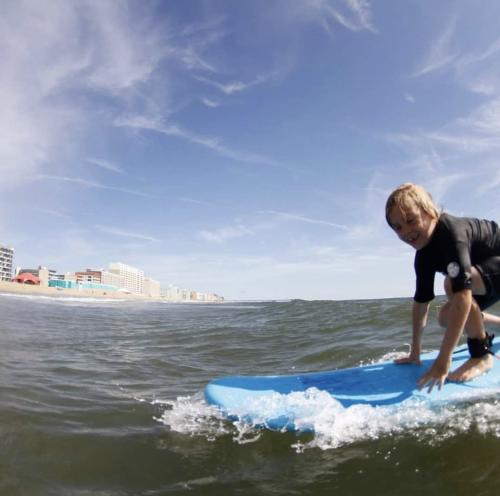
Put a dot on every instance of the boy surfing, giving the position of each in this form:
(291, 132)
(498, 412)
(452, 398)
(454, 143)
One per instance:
(467, 252)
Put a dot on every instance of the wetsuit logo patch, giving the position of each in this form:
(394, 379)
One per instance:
(453, 269)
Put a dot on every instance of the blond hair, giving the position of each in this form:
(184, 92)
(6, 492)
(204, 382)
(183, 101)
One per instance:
(408, 195)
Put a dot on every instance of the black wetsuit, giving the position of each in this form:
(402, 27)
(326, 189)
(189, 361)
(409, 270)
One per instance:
(457, 244)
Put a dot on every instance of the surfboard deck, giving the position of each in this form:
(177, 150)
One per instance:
(377, 385)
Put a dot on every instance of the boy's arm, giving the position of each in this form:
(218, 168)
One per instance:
(459, 310)
(419, 314)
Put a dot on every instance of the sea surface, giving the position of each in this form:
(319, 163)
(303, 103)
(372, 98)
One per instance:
(105, 398)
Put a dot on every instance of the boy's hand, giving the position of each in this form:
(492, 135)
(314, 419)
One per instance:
(436, 375)
(412, 358)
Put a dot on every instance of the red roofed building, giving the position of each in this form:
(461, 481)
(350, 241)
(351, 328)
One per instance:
(26, 278)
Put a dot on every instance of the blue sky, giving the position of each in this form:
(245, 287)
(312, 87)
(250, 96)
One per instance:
(244, 148)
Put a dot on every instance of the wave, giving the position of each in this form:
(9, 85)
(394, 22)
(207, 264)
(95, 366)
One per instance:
(63, 299)
(332, 425)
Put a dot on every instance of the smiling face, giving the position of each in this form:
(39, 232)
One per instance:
(414, 226)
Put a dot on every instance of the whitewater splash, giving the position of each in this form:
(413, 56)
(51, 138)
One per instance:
(191, 415)
(331, 424)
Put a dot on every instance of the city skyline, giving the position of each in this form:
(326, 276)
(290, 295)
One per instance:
(117, 277)
(243, 148)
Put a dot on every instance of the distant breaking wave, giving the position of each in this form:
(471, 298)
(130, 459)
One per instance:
(63, 299)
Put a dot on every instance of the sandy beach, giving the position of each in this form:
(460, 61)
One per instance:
(28, 289)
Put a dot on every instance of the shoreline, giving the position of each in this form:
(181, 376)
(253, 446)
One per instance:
(28, 289)
(14, 288)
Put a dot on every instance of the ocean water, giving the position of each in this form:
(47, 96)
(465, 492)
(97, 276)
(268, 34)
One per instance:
(105, 398)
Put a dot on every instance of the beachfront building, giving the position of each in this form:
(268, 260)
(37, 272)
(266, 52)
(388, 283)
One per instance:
(89, 275)
(171, 293)
(112, 279)
(66, 280)
(185, 294)
(175, 294)
(201, 296)
(206, 297)
(6, 257)
(134, 278)
(51, 273)
(100, 276)
(151, 288)
(88, 280)
(42, 273)
(44, 276)
(27, 278)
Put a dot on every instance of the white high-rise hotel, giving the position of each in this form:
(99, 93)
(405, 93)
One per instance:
(134, 278)
(6, 256)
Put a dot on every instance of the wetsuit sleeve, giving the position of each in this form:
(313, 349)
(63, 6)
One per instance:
(425, 274)
(459, 266)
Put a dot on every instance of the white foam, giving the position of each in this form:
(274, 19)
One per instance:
(332, 424)
(302, 408)
(336, 426)
(191, 415)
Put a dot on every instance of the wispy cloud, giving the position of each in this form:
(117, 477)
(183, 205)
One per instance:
(266, 221)
(479, 132)
(90, 184)
(299, 218)
(485, 120)
(361, 16)
(196, 202)
(46, 51)
(55, 213)
(224, 233)
(472, 59)
(125, 234)
(440, 54)
(440, 185)
(474, 67)
(106, 164)
(409, 98)
(214, 144)
(208, 102)
(53, 52)
(115, 50)
(354, 15)
(195, 39)
(237, 86)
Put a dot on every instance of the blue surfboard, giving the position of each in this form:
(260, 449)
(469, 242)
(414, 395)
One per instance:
(262, 400)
